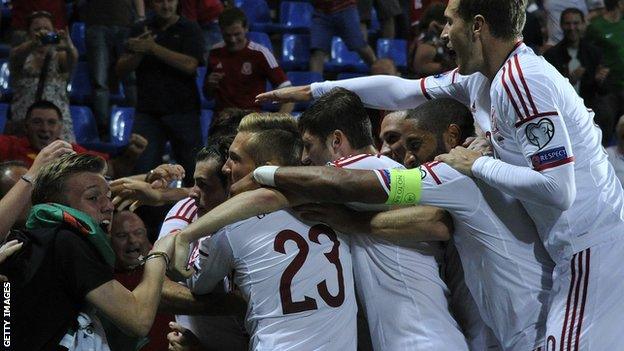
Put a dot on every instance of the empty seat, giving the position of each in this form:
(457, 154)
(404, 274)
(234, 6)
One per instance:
(303, 78)
(78, 36)
(261, 38)
(295, 52)
(205, 120)
(395, 49)
(296, 16)
(79, 87)
(342, 59)
(122, 119)
(85, 128)
(259, 15)
(5, 76)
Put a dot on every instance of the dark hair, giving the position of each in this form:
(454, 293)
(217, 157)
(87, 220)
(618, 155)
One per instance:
(437, 114)
(216, 150)
(50, 182)
(339, 109)
(38, 14)
(227, 121)
(505, 17)
(611, 4)
(275, 138)
(571, 10)
(44, 105)
(232, 15)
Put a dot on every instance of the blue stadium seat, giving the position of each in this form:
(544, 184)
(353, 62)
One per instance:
(4, 115)
(78, 36)
(5, 74)
(375, 26)
(342, 59)
(205, 120)
(4, 50)
(395, 49)
(79, 87)
(122, 119)
(258, 15)
(201, 74)
(349, 75)
(85, 128)
(295, 52)
(303, 78)
(296, 16)
(261, 38)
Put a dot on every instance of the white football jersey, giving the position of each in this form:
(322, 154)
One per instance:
(506, 267)
(536, 114)
(408, 277)
(220, 332)
(617, 161)
(297, 280)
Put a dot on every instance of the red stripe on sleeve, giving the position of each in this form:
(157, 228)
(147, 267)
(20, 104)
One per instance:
(424, 88)
(555, 164)
(509, 94)
(429, 167)
(524, 83)
(516, 89)
(543, 114)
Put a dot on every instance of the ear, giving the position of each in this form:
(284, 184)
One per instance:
(478, 25)
(337, 139)
(452, 136)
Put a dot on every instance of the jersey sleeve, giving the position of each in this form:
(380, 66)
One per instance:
(273, 72)
(178, 217)
(394, 93)
(444, 187)
(215, 261)
(529, 107)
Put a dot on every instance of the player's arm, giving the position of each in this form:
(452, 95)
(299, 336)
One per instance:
(178, 299)
(402, 226)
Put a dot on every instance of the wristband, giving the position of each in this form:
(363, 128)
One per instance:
(405, 187)
(155, 255)
(265, 175)
(28, 179)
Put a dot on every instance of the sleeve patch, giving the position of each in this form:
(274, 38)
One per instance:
(540, 133)
(550, 158)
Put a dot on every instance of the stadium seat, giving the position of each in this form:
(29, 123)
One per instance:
(349, 75)
(395, 49)
(4, 115)
(205, 103)
(342, 59)
(79, 87)
(78, 36)
(205, 120)
(258, 15)
(122, 119)
(4, 50)
(261, 38)
(295, 52)
(295, 17)
(85, 128)
(375, 26)
(5, 75)
(303, 78)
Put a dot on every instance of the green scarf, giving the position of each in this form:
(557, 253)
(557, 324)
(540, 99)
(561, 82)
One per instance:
(52, 215)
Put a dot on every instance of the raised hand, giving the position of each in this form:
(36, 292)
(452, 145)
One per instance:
(300, 93)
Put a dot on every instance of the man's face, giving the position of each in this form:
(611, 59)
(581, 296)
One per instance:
(316, 152)
(43, 127)
(128, 239)
(165, 9)
(460, 40)
(239, 162)
(89, 192)
(235, 36)
(573, 27)
(208, 192)
(420, 145)
(390, 134)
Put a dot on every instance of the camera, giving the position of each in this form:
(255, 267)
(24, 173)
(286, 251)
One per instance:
(50, 38)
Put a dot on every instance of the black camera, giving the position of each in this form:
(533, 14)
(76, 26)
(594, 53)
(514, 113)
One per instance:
(50, 38)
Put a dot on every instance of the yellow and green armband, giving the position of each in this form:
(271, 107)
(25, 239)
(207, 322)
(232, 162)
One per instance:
(405, 187)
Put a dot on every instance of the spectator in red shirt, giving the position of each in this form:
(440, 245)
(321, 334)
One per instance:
(43, 125)
(239, 68)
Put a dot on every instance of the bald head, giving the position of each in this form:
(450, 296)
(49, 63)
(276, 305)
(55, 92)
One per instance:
(128, 239)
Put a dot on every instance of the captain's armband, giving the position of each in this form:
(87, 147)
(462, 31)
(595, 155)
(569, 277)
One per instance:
(405, 187)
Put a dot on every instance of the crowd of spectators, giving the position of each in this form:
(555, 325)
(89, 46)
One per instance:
(151, 52)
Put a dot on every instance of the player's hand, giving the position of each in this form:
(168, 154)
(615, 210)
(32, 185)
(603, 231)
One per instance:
(49, 153)
(131, 193)
(6, 250)
(601, 73)
(245, 184)
(300, 93)
(461, 159)
(179, 269)
(165, 244)
(182, 339)
(480, 144)
(161, 176)
(339, 217)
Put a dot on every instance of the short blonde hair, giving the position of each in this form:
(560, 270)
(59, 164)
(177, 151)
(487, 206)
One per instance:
(275, 137)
